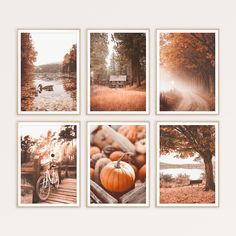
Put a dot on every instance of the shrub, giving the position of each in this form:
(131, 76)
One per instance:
(182, 179)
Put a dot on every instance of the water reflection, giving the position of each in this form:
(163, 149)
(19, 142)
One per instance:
(61, 98)
(194, 174)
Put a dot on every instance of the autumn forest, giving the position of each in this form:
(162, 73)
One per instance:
(187, 71)
(117, 71)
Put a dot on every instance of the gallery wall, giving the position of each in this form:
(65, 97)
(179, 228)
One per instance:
(117, 14)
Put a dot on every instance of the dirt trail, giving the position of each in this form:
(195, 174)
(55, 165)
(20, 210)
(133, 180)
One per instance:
(192, 102)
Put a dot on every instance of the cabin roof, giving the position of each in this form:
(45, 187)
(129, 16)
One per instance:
(118, 78)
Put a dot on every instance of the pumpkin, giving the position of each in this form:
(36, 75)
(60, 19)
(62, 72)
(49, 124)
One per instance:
(142, 173)
(140, 146)
(100, 139)
(129, 131)
(139, 160)
(117, 176)
(109, 149)
(115, 156)
(115, 145)
(94, 150)
(98, 168)
(95, 158)
(91, 173)
(141, 132)
(135, 170)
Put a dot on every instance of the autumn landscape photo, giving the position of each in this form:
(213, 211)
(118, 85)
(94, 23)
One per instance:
(187, 71)
(187, 173)
(118, 71)
(48, 73)
(118, 164)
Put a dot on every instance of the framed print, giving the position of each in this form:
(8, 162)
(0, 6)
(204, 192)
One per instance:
(187, 164)
(48, 71)
(118, 71)
(48, 164)
(118, 164)
(187, 71)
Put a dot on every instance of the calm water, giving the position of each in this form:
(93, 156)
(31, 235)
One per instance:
(57, 100)
(194, 174)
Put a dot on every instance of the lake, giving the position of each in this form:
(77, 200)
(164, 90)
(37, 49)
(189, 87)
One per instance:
(63, 96)
(194, 174)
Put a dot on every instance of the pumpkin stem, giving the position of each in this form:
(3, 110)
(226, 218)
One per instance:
(121, 157)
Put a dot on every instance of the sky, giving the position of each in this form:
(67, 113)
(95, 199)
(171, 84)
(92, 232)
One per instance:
(36, 131)
(110, 49)
(52, 46)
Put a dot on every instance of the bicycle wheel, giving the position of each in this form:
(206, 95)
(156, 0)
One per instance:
(43, 188)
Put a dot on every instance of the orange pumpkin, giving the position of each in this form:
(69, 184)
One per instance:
(135, 170)
(140, 160)
(117, 176)
(115, 156)
(92, 173)
(129, 131)
(94, 150)
(142, 173)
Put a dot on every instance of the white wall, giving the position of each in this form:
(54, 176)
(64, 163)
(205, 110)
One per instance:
(116, 14)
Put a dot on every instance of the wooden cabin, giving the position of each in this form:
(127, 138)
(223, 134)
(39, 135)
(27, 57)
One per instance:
(117, 81)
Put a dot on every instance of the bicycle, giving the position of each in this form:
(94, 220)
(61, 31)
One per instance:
(50, 177)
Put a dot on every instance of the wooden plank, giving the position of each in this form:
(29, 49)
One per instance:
(60, 201)
(25, 170)
(94, 198)
(137, 195)
(68, 166)
(62, 197)
(65, 194)
(27, 186)
(104, 196)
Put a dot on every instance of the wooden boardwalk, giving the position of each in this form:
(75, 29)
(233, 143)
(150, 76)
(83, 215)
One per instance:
(65, 194)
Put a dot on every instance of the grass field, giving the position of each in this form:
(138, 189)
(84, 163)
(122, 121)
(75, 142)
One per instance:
(103, 98)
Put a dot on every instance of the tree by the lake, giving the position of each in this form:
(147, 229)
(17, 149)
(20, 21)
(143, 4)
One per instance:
(187, 140)
(69, 60)
(131, 50)
(98, 55)
(191, 56)
(28, 56)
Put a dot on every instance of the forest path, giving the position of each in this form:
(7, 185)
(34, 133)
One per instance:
(192, 102)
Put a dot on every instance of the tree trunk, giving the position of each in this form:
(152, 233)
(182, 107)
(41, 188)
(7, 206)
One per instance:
(210, 183)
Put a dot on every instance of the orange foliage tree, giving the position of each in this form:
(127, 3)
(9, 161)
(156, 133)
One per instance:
(28, 55)
(187, 140)
(191, 56)
(69, 61)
